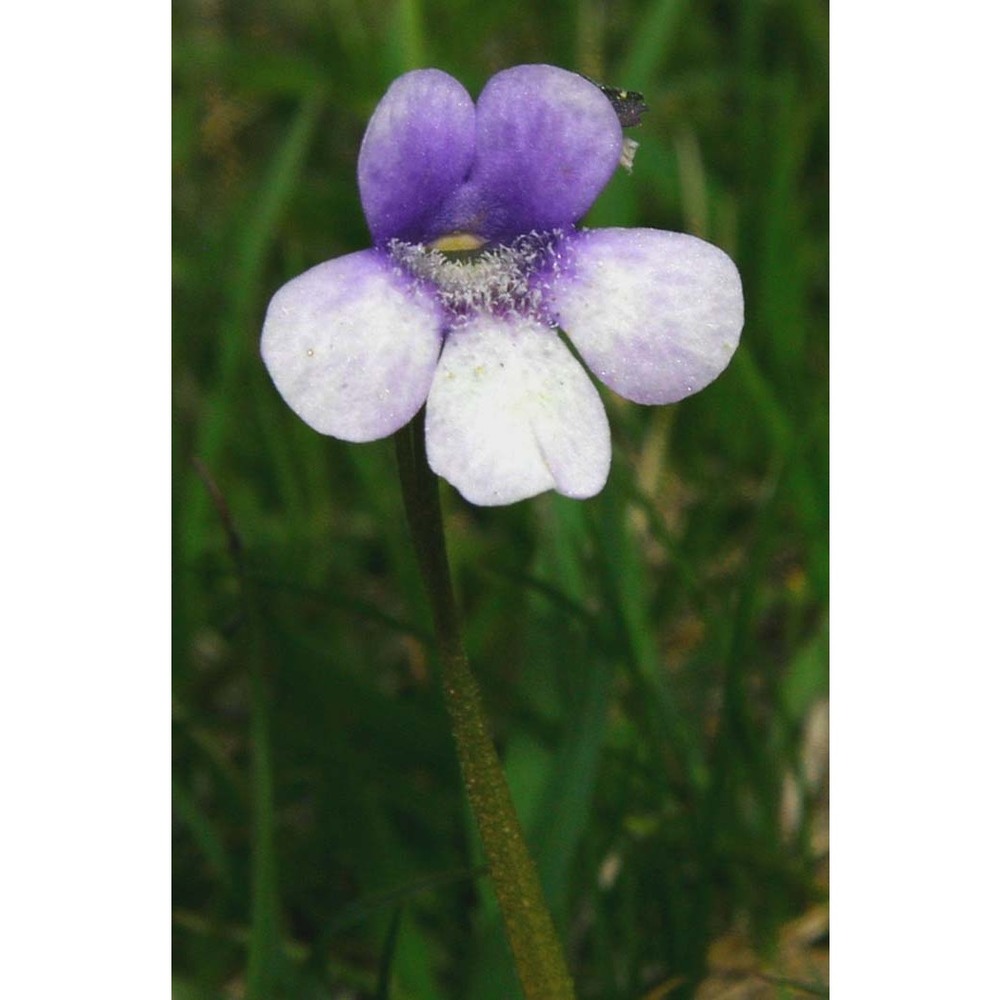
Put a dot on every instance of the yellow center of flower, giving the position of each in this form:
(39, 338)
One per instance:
(458, 242)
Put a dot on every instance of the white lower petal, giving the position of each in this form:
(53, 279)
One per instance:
(511, 413)
(655, 315)
(351, 346)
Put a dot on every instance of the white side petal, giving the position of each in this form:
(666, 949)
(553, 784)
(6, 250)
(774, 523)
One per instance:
(352, 346)
(511, 413)
(655, 315)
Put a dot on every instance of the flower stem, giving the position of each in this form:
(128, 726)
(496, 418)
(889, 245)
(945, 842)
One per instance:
(530, 931)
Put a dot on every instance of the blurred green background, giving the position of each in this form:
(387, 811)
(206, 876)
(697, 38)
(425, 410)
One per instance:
(654, 660)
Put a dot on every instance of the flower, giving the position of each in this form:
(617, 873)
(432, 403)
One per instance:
(477, 266)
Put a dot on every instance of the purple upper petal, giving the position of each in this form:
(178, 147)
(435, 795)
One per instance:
(655, 315)
(352, 346)
(417, 149)
(547, 142)
(533, 154)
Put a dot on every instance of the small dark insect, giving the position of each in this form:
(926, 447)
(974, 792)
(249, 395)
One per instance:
(629, 105)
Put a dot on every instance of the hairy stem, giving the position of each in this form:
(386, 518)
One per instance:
(527, 922)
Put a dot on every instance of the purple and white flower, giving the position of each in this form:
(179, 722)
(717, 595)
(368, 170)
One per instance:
(477, 272)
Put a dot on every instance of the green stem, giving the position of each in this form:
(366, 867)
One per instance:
(530, 931)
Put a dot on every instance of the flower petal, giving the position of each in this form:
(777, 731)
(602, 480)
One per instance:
(547, 142)
(352, 346)
(655, 315)
(418, 147)
(511, 413)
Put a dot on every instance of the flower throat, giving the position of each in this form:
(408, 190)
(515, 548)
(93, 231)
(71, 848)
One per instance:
(471, 277)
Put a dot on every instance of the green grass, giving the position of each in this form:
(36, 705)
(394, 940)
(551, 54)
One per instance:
(649, 658)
